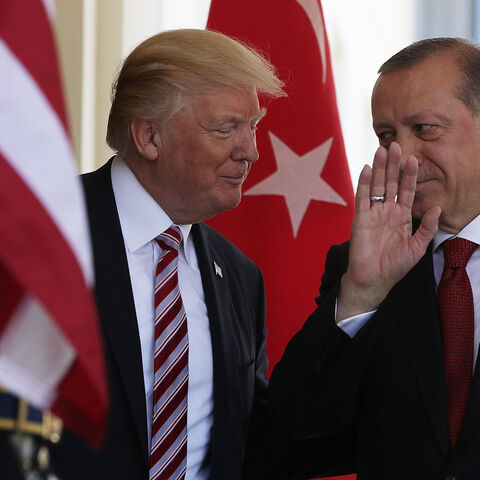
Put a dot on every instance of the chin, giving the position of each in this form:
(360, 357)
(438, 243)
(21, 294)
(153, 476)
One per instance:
(232, 201)
(420, 209)
(424, 201)
(223, 206)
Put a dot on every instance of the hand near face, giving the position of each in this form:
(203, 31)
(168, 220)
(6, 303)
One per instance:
(382, 247)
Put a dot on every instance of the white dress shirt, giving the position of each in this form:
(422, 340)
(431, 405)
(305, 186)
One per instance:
(142, 220)
(470, 232)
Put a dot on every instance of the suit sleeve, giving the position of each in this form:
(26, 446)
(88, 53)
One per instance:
(256, 429)
(313, 400)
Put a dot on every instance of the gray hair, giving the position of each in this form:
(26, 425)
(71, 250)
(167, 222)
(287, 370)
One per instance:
(465, 54)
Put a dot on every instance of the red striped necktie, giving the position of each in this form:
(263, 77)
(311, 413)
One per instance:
(455, 303)
(168, 452)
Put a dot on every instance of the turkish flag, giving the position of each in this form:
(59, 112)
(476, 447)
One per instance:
(298, 198)
(50, 342)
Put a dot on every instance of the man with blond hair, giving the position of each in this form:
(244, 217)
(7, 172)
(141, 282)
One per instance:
(182, 309)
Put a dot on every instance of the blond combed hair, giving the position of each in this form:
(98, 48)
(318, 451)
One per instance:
(159, 73)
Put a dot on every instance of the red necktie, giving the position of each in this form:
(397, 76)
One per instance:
(168, 452)
(455, 303)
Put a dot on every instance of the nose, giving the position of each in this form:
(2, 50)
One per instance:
(246, 146)
(410, 146)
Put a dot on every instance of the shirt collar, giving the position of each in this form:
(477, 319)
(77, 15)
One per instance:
(141, 217)
(470, 232)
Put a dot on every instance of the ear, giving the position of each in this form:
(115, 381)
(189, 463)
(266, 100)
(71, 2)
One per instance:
(145, 138)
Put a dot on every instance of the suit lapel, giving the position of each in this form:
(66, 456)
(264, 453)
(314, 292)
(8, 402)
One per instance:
(114, 292)
(213, 269)
(472, 412)
(415, 302)
(214, 272)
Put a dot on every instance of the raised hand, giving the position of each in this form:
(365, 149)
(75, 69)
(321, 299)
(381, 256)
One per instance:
(382, 247)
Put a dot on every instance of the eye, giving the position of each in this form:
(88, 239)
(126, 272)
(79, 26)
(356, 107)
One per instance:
(428, 132)
(385, 137)
(423, 127)
(223, 133)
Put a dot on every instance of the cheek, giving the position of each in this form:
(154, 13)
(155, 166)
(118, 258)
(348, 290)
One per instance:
(429, 195)
(207, 171)
(422, 204)
(436, 161)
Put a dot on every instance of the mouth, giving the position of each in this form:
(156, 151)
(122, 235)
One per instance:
(421, 179)
(424, 177)
(422, 184)
(235, 179)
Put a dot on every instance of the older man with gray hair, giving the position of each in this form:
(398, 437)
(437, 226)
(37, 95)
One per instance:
(385, 374)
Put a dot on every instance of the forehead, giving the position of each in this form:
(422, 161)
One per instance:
(427, 85)
(221, 101)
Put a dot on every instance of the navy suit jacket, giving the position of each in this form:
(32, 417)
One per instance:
(236, 310)
(374, 404)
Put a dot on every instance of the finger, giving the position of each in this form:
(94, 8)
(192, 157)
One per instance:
(393, 171)
(427, 229)
(377, 183)
(406, 191)
(362, 197)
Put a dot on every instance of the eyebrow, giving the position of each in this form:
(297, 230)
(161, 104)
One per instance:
(419, 115)
(381, 125)
(234, 119)
(414, 118)
(261, 113)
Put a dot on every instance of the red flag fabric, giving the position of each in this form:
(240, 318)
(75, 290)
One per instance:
(50, 348)
(298, 198)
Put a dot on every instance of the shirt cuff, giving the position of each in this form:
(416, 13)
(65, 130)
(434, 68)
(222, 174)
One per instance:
(352, 325)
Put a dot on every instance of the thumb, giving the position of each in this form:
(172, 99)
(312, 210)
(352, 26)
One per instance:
(429, 226)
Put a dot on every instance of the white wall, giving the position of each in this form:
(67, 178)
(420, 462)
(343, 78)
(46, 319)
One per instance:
(362, 35)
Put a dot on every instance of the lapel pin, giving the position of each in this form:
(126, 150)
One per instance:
(218, 270)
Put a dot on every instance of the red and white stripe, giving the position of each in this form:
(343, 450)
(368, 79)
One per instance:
(50, 350)
(169, 424)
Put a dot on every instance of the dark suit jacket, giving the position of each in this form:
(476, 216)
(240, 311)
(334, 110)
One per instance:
(236, 311)
(374, 404)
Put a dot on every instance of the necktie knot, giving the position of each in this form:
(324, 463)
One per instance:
(457, 252)
(170, 239)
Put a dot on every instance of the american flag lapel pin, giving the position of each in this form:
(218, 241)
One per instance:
(218, 270)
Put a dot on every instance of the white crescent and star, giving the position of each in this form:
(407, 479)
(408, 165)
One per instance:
(298, 177)
(314, 14)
